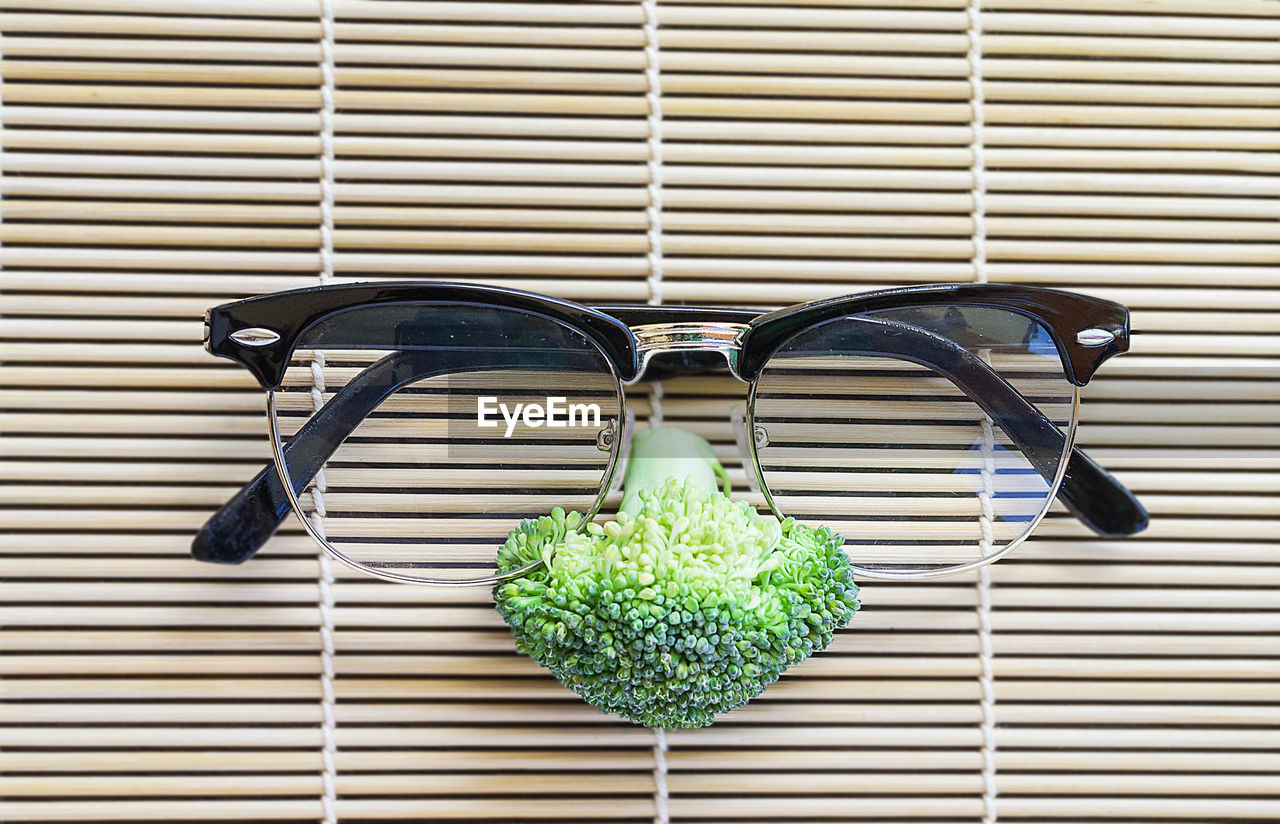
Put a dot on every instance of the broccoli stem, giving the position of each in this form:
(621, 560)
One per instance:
(667, 452)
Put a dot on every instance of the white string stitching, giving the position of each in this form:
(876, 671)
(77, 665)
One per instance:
(986, 497)
(328, 696)
(653, 97)
(328, 651)
(660, 814)
(328, 72)
(1, 146)
(976, 144)
(986, 653)
(655, 404)
(1, 140)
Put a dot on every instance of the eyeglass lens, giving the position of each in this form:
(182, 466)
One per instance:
(894, 429)
(444, 425)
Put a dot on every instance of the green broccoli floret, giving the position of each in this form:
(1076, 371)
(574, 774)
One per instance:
(689, 604)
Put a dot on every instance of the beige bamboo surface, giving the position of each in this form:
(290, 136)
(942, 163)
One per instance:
(162, 156)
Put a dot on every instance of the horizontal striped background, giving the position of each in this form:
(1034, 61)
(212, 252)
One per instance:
(162, 156)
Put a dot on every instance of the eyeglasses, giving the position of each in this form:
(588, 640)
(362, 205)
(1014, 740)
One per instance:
(414, 424)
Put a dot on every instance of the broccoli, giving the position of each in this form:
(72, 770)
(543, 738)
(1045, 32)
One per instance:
(689, 604)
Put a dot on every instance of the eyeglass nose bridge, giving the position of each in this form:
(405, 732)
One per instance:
(652, 338)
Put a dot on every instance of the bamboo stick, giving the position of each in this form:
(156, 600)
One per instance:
(1008, 737)
(1146, 25)
(65, 445)
(578, 150)
(1046, 760)
(1225, 7)
(236, 809)
(1074, 114)
(797, 784)
(793, 84)
(487, 689)
(233, 761)
(479, 264)
(1230, 810)
(725, 222)
(1182, 48)
(213, 379)
(1181, 295)
(474, 265)
(1162, 73)
(502, 241)
(216, 286)
(521, 102)
(685, 198)
(160, 401)
(28, 20)
(305, 124)
(567, 712)
(186, 331)
(533, 46)
(155, 640)
(589, 737)
(787, 690)
(616, 174)
(1121, 571)
(621, 173)
(1136, 621)
(617, 14)
(931, 4)
(676, 37)
(672, 17)
(539, 79)
(1163, 551)
(1192, 529)
(409, 784)
(474, 664)
(597, 31)
(1090, 208)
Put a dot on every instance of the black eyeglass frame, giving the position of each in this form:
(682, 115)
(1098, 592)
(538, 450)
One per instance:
(261, 333)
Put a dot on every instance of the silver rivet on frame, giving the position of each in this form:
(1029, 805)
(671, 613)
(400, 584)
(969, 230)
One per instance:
(1095, 337)
(254, 336)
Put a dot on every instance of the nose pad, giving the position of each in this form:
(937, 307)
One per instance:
(628, 430)
(738, 417)
(605, 437)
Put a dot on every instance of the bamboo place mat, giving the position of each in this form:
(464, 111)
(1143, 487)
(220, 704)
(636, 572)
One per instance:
(163, 156)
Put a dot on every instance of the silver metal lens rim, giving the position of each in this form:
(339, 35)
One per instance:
(277, 453)
(277, 456)
(933, 572)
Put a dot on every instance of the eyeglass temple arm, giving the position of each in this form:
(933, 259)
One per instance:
(240, 528)
(244, 523)
(1088, 491)
(1098, 500)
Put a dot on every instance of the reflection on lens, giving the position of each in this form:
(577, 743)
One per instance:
(440, 427)
(929, 437)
